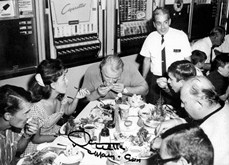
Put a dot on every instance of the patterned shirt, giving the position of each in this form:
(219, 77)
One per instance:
(8, 146)
(47, 124)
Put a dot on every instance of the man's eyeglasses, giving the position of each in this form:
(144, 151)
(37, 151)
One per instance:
(157, 159)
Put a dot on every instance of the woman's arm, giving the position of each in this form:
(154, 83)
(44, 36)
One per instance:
(70, 107)
(38, 138)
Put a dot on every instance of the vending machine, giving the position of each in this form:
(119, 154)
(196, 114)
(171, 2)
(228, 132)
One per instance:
(20, 37)
(75, 32)
(133, 18)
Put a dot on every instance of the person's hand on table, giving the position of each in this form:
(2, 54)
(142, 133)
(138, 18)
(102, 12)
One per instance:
(118, 87)
(162, 127)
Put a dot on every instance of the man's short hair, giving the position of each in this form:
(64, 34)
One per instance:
(114, 61)
(11, 98)
(220, 61)
(217, 30)
(182, 70)
(201, 88)
(190, 142)
(159, 11)
(198, 56)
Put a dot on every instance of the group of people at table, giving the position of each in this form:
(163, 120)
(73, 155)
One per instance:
(200, 136)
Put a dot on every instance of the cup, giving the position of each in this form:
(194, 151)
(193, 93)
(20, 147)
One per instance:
(124, 111)
(90, 129)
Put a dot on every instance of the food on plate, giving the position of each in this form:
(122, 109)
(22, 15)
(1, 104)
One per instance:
(106, 106)
(70, 156)
(72, 127)
(142, 136)
(140, 143)
(101, 114)
(120, 136)
(43, 157)
(135, 101)
(150, 122)
(145, 111)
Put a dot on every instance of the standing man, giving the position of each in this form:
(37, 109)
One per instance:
(113, 76)
(160, 49)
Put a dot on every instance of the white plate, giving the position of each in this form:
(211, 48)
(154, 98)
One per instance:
(107, 101)
(146, 112)
(74, 159)
(43, 156)
(151, 123)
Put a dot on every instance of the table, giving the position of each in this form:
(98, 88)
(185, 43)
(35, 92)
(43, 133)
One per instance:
(93, 160)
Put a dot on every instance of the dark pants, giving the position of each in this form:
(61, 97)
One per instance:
(155, 92)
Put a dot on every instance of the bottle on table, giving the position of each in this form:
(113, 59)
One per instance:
(104, 135)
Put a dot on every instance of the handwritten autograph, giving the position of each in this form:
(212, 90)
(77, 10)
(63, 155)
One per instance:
(68, 8)
(101, 146)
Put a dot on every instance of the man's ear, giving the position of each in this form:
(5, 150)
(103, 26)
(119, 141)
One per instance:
(198, 64)
(169, 21)
(182, 82)
(7, 116)
(220, 68)
(183, 161)
(154, 24)
(53, 85)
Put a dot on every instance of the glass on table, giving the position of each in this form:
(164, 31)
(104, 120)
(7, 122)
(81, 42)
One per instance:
(89, 130)
(124, 111)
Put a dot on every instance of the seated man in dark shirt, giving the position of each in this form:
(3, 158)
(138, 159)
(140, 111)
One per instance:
(113, 76)
(219, 76)
(178, 72)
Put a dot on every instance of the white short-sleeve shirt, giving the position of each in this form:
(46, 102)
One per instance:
(177, 47)
(204, 45)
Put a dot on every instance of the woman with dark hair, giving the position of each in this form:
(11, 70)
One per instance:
(15, 128)
(49, 83)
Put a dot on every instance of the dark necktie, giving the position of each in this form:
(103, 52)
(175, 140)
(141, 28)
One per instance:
(163, 63)
(212, 48)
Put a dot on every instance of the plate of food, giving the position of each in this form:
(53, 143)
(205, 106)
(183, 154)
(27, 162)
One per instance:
(71, 126)
(151, 123)
(69, 157)
(139, 145)
(101, 114)
(145, 111)
(43, 157)
(135, 101)
(106, 104)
